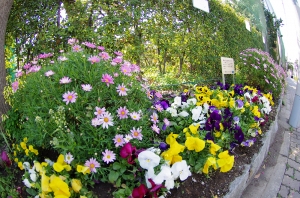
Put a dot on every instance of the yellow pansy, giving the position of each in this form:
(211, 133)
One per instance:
(27, 152)
(211, 161)
(213, 147)
(225, 161)
(25, 139)
(20, 165)
(259, 131)
(218, 134)
(45, 184)
(60, 164)
(172, 154)
(231, 93)
(171, 138)
(255, 111)
(193, 143)
(59, 187)
(23, 145)
(83, 169)
(16, 159)
(76, 185)
(194, 128)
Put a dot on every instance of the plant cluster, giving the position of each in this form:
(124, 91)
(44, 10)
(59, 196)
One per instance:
(256, 68)
(90, 116)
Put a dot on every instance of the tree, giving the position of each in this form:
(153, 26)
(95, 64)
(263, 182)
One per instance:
(5, 6)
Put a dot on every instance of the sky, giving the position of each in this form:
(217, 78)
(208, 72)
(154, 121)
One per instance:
(286, 10)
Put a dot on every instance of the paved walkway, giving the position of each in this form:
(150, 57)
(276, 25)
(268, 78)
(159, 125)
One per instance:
(283, 179)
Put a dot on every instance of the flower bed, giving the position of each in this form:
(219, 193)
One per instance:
(90, 117)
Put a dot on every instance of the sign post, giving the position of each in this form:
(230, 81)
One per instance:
(227, 67)
(201, 4)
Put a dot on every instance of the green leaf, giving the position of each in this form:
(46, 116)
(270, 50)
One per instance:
(117, 166)
(113, 176)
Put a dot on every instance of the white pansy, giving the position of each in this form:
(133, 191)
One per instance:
(172, 111)
(181, 170)
(177, 102)
(148, 159)
(154, 150)
(196, 113)
(165, 175)
(149, 175)
(183, 114)
(247, 95)
(33, 177)
(184, 105)
(49, 162)
(205, 108)
(192, 101)
(27, 183)
(26, 165)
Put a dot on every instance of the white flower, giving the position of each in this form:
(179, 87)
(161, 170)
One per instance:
(165, 175)
(127, 138)
(266, 109)
(183, 114)
(177, 102)
(148, 159)
(196, 113)
(27, 183)
(184, 105)
(247, 95)
(191, 101)
(33, 177)
(172, 111)
(49, 162)
(181, 170)
(26, 165)
(205, 108)
(154, 150)
(149, 175)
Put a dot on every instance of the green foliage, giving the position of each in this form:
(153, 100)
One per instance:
(8, 177)
(256, 68)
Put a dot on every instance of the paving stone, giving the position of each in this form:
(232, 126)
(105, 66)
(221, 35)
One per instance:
(294, 194)
(294, 164)
(297, 175)
(290, 172)
(294, 144)
(292, 183)
(284, 191)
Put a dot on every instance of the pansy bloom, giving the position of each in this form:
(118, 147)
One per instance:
(69, 97)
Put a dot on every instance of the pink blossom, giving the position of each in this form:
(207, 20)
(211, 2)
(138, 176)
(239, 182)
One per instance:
(99, 111)
(69, 97)
(136, 133)
(104, 55)
(15, 86)
(49, 73)
(126, 69)
(108, 156)
(118, 140)
(94, 59)
(95, 122)
(108, 79)
(154, 118)
(159, 108)
(122, 112)
(101, 48)
(155, 128)
(158, 94)
(65, 80)
(135, 116)
(117, 60)
(92, 164)
(122, 90)
(19, 73)
(116, 74)
(106, 120)
(118, 53)
(89, 45)
(135, 68)
(86, 87)
(72, 41)
(27, 66)
(45, 55)
(76, 48)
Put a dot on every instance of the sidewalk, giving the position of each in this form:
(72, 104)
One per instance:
(283, 178)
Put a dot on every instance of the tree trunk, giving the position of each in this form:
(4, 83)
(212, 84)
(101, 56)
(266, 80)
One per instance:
(5, 6)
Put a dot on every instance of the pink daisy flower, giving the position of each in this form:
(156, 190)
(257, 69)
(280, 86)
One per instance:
(15, 86)
(104, 55)
(159, 108)
(158, 94)
(49, 73)
(76, 48)
(108, 79)
(108, 156)
(19, 73)
(86, 87)
(155, 128)
(117, 60)
(99, 111)
(72, 41)
(135, 68)
(154, 118)
(92, 164)
(101, 48)
(89, 45)
(127, 138)
(94, 59)
(122, 90)
(96, 122)
(135, 116)
(35, 68)
(118, 140)
(126, 69)
(27, 66)
(69, 97)
(166, 122)
(106, 120)
(62, 58)
(65, 80)
(116, 74)
(118, 53)
(136, 133)
(122, 113)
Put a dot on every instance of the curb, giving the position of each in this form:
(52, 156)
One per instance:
(237, 187)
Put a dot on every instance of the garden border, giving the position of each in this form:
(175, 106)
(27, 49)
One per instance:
(237, 187)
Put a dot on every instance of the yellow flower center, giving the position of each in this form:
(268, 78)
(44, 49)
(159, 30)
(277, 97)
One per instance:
(136, 134)
(122, 89)
(70, 97)
(106, 119)
(92, 166)
(123, 113)
(108, 156)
